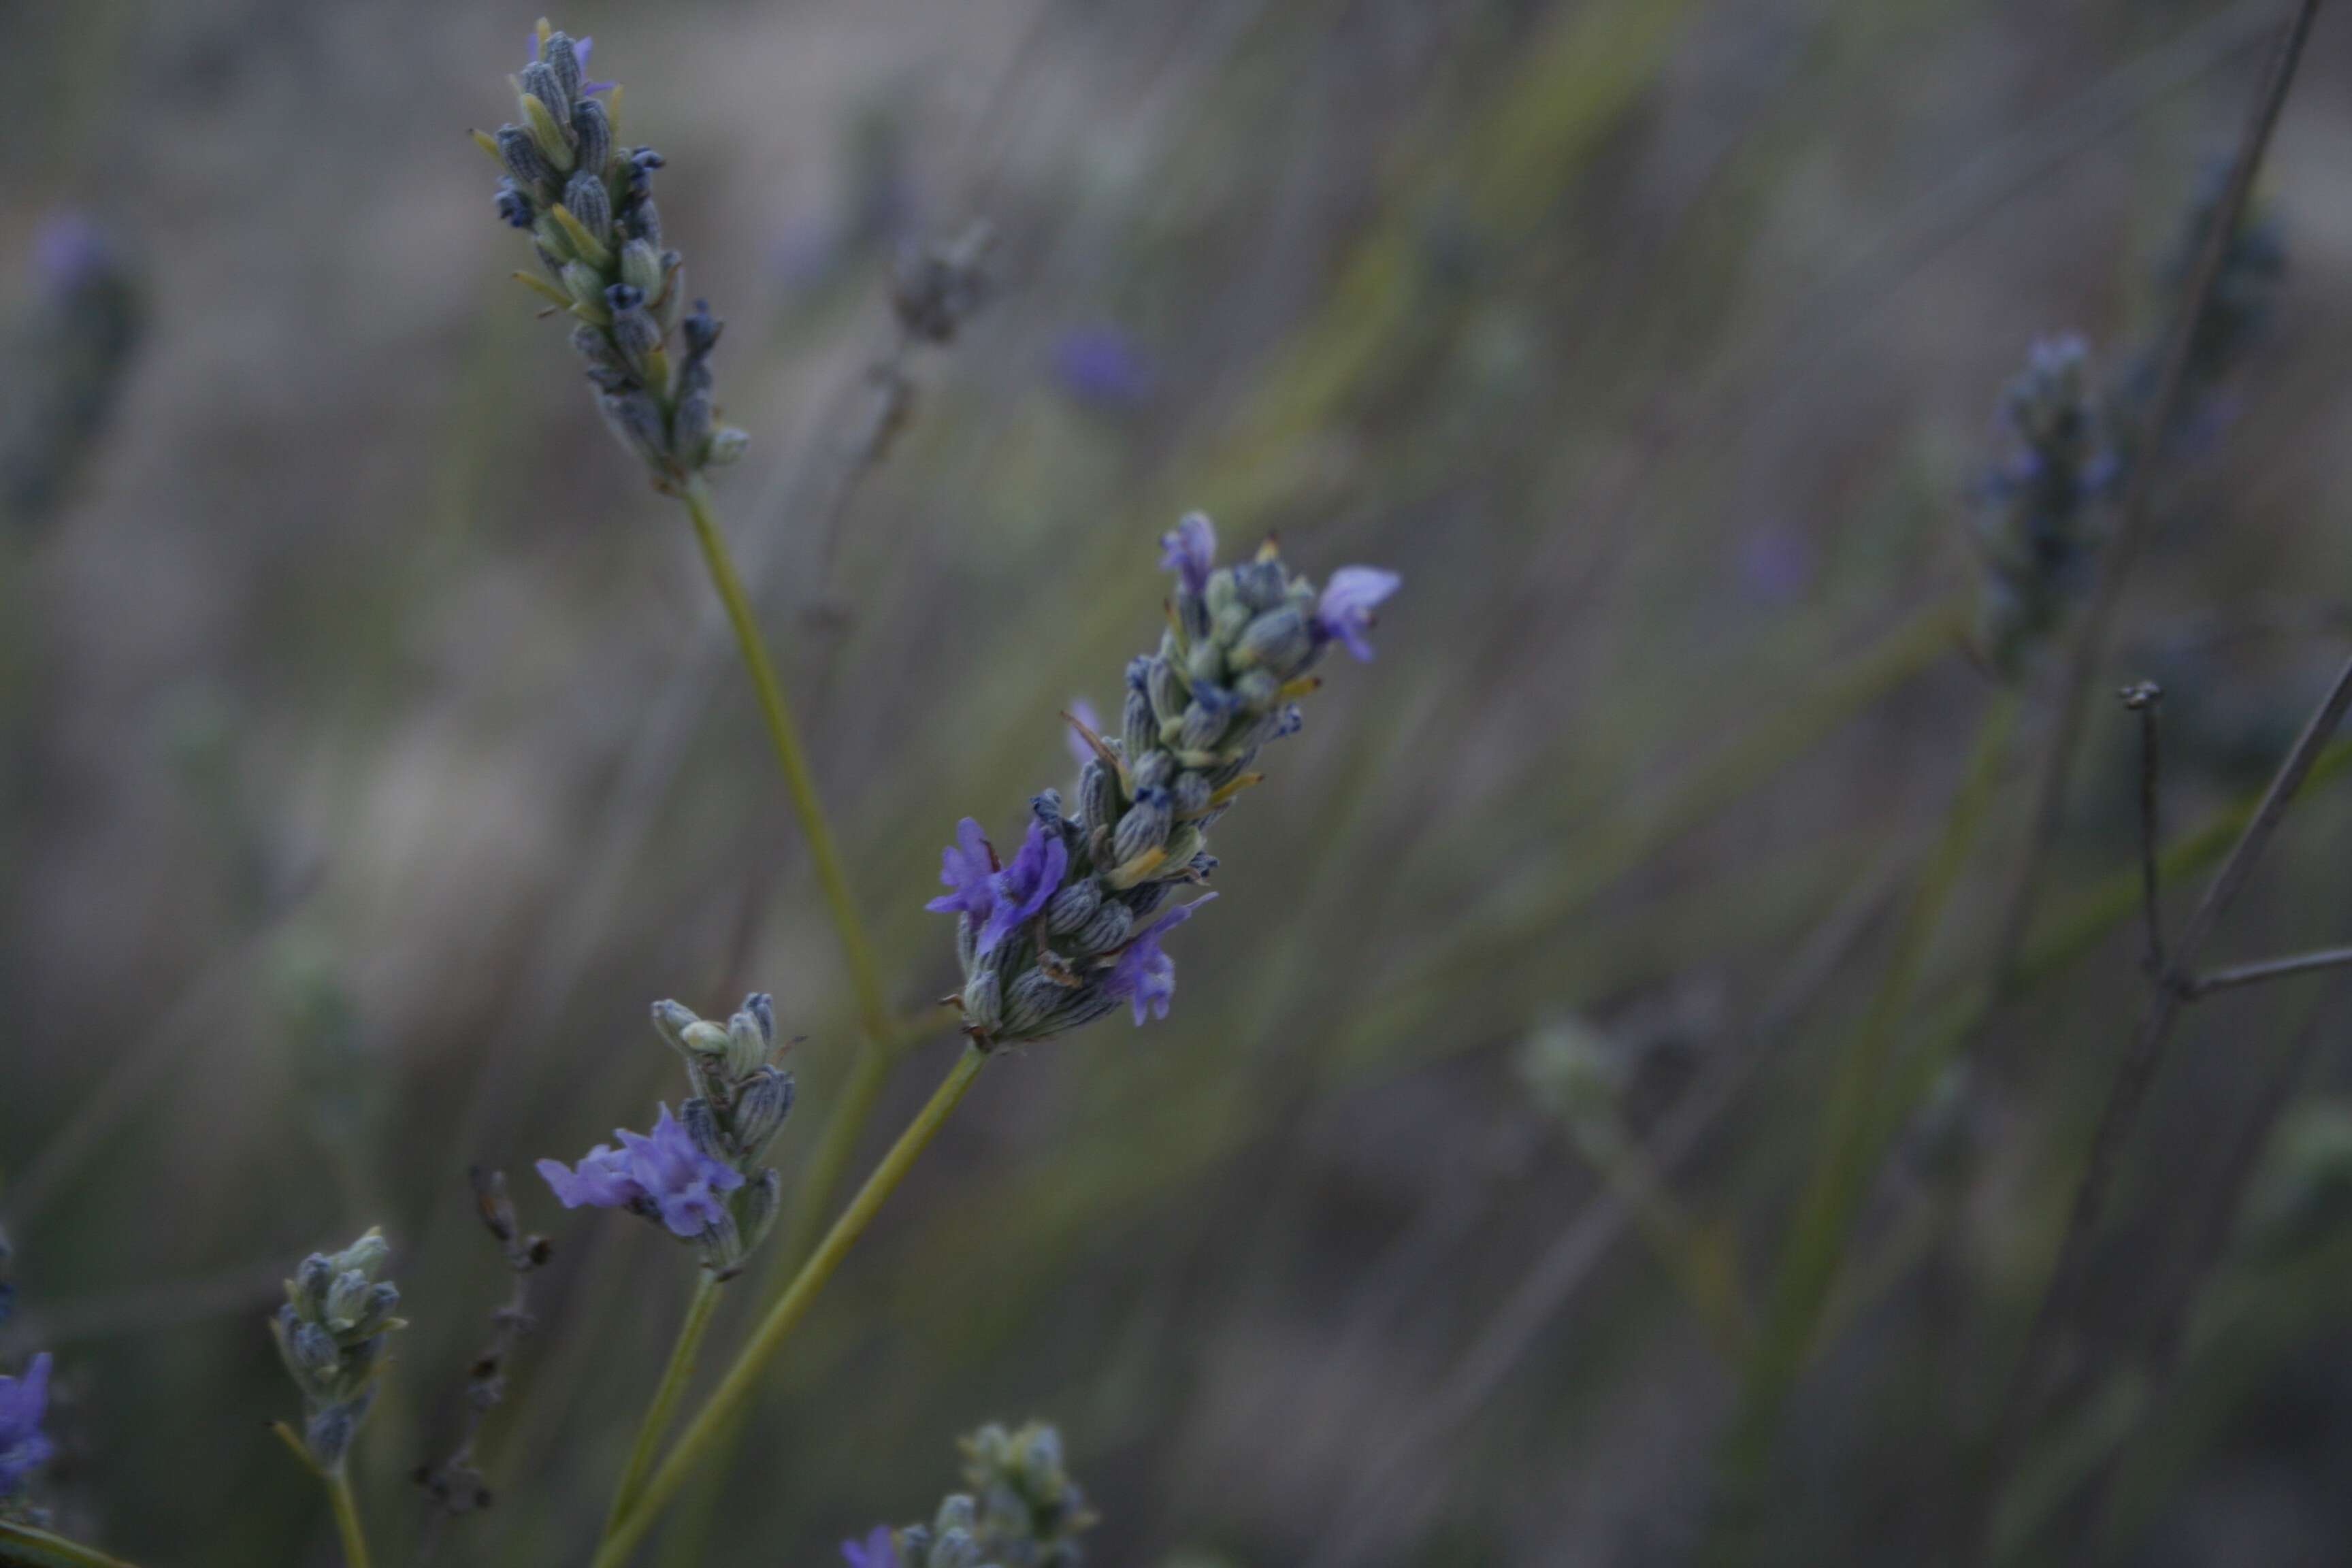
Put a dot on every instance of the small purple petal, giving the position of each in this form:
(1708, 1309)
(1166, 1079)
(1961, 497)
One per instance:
(968, 868)
(682, 1181)
(878, 1550)
(1344, 613)
(600, 1181)
(1190, 550)
(1022, 887)
(1144, 975)
(23, 1447)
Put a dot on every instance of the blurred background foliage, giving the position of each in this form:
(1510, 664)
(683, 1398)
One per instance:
(374, 756)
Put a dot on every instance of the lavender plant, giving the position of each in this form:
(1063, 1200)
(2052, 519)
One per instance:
(73, 345)
(2035, 529)
(1072, 925)
(587, 203)
(333, 1334)
(1021, 1510)
(700, 1174)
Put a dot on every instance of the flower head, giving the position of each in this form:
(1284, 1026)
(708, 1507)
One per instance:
(1074, 926)
(331, 1334)
(1145, 976)
(1344, 613)
(968, 868)
(877, 1551)
(23, 1447)
(1190, 550)
(664, 1175)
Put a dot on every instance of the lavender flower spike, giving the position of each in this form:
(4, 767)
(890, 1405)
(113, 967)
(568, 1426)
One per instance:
(1145, 976)
(1069, 931)
(23, 1447)
(877, 1551)
(1345, 611)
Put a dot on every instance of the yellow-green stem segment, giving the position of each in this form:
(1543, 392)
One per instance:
(800, 783)
(742, 1378)
(1843, 1164)
(347, 1517)
(21, 1546)
(667, 1394)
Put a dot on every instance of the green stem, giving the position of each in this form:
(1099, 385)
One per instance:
(667, 1394)
(736, 1388)
(21, 1546)
(1841, 1179)
(347, 1517)
(865, 979)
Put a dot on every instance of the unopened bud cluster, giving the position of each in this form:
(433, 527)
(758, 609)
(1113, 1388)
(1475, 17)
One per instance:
(2035, 529)
(332, 1333)
(702, 1174)
(1072, 926)
(587, 203)
(1021, 1510)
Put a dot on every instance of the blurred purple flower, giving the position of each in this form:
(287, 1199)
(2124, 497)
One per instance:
(1776, 565)
(1344, 613)
(665, 1172)
(1103, 368)
(877, 1550)
(23, 1447)
(968, 866)
(1190, 550)
(1024, 887)
(69, 251)
(1144, 975)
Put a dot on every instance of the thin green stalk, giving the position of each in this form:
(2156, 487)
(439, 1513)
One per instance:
(347, 1517)
(742, 1381)
(21, 1546)
(1841, 1179)
(865, 979)
(667, 1394)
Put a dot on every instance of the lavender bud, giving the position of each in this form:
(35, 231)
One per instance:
(761, 1007)
(726, 444)
(1154, 771)
(549, 134)
(1191, 795)
(1144, 827)
(982, 1000)
(584, 198)
(1138, 731)
(642, 220)
(1166, 690)
(745, 1049)
(1098, 804)
(1034, 998)
(1105, 930)
(587, 290)
(701, 1124)
(541, 81)
(592, 129)
(311, 1281)
(1256, 691)
(522, 159)
(328, 1435)
(760, 1107)
(690, 427)
(1278, 639)
(637, 419)
(1073, 906)
(1205, 665)
(641, 267)
(1202, 728)
(563, 61)
(671, 1020)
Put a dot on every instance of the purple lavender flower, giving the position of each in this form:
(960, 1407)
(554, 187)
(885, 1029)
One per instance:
(877, 1550)
(23, 1447)
(1344, 613)
(1103, 368)
(1190, 550)
(968, 866)
(1024, 887)
(1144, 975)
(664, 1173)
